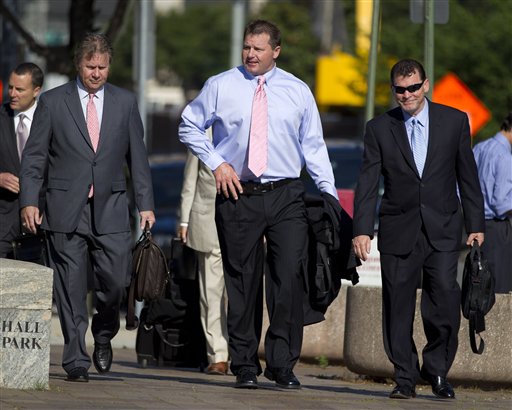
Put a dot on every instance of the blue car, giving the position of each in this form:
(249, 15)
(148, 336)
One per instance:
(167, 176)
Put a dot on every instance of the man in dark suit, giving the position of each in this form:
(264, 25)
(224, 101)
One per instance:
(423, 151)
(16, 117)
(85, 132)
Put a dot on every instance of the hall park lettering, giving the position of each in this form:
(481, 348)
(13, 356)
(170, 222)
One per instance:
(22, 335)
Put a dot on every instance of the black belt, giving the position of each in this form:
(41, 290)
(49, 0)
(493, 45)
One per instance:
(255, 188)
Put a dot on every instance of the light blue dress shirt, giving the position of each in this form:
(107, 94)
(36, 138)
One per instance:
(494, 161)
(295, 136)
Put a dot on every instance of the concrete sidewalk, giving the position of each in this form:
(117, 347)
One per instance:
(128, 386)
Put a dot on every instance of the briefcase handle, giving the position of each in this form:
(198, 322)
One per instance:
(476, 253)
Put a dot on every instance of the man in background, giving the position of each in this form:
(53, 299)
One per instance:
(16, 118)
(494, 161)
(198, 231)
(85, 133)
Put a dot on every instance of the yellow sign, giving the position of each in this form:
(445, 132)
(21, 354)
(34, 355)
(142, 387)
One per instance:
(340, 80)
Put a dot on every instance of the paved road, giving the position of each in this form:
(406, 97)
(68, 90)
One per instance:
(128, 386)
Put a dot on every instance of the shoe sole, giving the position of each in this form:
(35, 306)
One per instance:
(246, 386)
(401, 396)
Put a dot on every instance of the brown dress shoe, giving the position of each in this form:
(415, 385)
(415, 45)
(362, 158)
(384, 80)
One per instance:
(220, 368)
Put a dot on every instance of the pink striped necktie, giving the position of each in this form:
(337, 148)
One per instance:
(93, 127)
(258, 138)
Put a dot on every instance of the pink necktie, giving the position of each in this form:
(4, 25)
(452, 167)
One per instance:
(22, 134)
(93, 127)
(258, 138)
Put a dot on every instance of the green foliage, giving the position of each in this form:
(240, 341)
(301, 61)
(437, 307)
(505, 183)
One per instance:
(475, 44)
(299, 46)
(323, 361)
(194, 44)
(121, 73)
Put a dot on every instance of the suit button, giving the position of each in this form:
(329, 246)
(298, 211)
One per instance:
(422, 185)
(94, 164)
(423, 206)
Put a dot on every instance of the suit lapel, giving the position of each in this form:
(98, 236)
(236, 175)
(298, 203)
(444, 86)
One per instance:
(72, 100)
(434, 130)
(400, 135)
(109, 103)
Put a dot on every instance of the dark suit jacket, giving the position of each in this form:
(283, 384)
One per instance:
(408, 200)
(9, 162)
(59, 138)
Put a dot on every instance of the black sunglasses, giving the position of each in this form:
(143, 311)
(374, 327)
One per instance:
(412, 88)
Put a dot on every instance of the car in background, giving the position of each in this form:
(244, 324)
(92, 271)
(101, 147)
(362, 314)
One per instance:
(167, 177)
(167, 173)
(346, 156)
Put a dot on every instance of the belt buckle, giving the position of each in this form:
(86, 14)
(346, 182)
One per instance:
(269, 186)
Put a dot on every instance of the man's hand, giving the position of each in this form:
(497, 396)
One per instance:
(362, 245)
(478, 236)
(10, 182)
(227, 181)
(182, 233)
(148, 216)
(31, 218)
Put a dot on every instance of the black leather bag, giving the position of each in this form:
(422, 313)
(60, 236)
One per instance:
(150, 275)
(31, 248)
(477, 295)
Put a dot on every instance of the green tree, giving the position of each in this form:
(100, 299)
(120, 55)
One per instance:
(194, 44)
(475, 45)
(299, 46)
(81, 19)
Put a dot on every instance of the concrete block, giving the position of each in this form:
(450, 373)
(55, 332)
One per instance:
(25, 323)
(364, 350)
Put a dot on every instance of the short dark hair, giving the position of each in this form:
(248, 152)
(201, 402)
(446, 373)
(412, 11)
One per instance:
(35, 73)
(507, 123)
(264, 26)
(91, 44)
(407, 67)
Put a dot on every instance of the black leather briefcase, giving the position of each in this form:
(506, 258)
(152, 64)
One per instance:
(31, 248)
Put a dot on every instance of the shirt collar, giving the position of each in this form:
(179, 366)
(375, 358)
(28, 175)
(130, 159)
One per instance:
(422, 116)
(82, 92)
(268, 75)
(28, 113)
(502, 140)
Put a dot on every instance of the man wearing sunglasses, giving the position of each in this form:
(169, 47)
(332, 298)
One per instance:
(423, 152)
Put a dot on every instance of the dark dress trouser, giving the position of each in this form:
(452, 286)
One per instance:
(110, 259)
(280, 217)
(440, 310)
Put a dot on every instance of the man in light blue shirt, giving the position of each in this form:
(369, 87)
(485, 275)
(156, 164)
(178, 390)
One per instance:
(253, 206)
(494, 161)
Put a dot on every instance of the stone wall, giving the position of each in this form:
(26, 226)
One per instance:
(25, 322)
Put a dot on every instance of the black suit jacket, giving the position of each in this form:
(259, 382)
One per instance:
(410, 201)
(9, 162)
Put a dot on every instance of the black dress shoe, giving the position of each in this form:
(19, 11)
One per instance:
(102, 357)
(441, 388)
(284, 378)
(246, 379)
(78, 374)
(402, 392)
